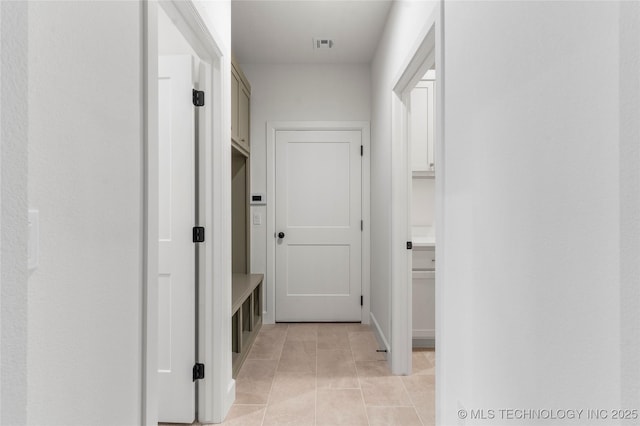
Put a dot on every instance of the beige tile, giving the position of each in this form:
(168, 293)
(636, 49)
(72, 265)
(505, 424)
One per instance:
(364, 347)
(427, 415)
(333, 338)
(422, 364)
(303, 326)
(252, 391)
(373, 369)
(431, 355)
(274, 327)
(393, 416)
(420, 388)
(355, 327)
(295, 411)
(343, 326)
(267, 346)
(298, 357)
(337, 369)
(422, 391)
(258, 369)
(340, 407)
(385, 391)
(302, 332)
(291, 385)
(254, 381)
(245, 415)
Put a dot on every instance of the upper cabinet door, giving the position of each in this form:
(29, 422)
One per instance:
(235, 84)
(243, 117)
(421, 127)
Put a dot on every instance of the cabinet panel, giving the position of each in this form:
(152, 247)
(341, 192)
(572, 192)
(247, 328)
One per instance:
(235, 85)
(424, 259)
(424, 305)
(243, 116)
(421, 127)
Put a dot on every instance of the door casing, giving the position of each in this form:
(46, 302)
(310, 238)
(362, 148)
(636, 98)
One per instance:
(272, 128)
(427, 51)
(217, 391)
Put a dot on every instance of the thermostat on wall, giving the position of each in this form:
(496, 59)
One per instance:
(258, 199)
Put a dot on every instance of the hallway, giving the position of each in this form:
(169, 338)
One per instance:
(329, 374)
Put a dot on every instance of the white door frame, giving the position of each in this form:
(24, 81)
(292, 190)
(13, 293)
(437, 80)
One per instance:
(272, 128)
(217, 391)
(427, 51)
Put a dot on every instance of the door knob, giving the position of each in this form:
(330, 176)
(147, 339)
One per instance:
(280, 235)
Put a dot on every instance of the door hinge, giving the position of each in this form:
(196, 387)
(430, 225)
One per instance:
(362, 225)
(198, 98)
(409, 245)
(361, 150)
(198, 371)
(198, 234)
(361, 300)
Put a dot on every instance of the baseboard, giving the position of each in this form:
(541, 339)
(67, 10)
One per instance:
(229, 399)
(419, 342)
(377, 332)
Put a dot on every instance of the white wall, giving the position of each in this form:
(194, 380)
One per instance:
(540, 172)
(629, 85)
(423, 194)
(85, 178)
(405, 22)
(296, 92)
(13, 219)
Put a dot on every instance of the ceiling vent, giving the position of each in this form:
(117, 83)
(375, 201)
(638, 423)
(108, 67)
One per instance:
(322, 43)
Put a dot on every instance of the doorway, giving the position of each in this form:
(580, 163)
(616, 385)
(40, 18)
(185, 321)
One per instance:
(427, 178)
(318, 260)
(180, 310)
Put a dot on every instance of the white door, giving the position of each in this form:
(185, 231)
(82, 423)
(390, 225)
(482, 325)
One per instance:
(177, 204)
(318, 212)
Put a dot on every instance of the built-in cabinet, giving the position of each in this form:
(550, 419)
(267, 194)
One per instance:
(246, 298)
(421, 128)
(422, 137)
(240, 108)
(423, 298)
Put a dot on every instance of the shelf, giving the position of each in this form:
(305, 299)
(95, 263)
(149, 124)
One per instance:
(247, 315)
(423, 174)
(242, 285)
(240, 149)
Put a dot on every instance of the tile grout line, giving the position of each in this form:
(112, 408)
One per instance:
(266, 407)
(364, 403)
(413, 404)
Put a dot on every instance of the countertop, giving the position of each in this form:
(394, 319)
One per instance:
(423, 236)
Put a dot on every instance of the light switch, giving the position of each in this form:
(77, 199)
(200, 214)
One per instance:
(34, 240)
(257, 219)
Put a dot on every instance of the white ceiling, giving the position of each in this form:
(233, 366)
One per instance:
(270, 31)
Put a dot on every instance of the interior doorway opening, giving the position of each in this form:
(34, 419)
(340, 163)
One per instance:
(192, 183)
(417, 183)
(421, 138)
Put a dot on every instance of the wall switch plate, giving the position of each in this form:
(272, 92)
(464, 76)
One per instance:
(34, 239)
(257, 219)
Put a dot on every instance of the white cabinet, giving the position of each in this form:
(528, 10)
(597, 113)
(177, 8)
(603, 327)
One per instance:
(424, 305)
(424, 295)
(421, 127)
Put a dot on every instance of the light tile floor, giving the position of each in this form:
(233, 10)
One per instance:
(329, 374)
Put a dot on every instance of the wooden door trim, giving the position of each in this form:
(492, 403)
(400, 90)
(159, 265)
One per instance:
(272, 128)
